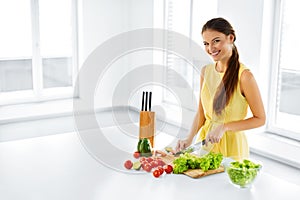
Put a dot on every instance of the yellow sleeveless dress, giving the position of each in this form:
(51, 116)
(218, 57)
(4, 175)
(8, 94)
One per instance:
(232, 144)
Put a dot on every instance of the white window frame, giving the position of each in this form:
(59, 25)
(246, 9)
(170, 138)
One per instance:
(275, 75)
(191, 34)
(38, 93)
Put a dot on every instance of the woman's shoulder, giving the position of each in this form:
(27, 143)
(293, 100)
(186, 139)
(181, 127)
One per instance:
(245, 74)
(244, 71)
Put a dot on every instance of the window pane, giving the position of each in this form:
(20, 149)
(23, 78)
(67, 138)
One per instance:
(15, 23)
(288, 111)
(55, 19)
(16, 46)
(55, 72)
(15, 75)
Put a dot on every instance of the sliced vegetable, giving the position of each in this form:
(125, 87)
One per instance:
(137, 165)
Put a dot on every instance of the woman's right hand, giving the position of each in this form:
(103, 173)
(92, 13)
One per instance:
(183, 144)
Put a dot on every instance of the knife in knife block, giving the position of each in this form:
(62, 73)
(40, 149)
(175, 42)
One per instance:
(147, 126)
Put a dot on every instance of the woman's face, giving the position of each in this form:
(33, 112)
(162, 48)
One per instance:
(218, 45)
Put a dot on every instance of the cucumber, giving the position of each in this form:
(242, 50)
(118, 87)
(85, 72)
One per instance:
(169, 149)
(144, 147)
(139, 145)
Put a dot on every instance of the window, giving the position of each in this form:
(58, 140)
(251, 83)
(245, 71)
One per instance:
(38, 58)
(285, 95)
(187, 18)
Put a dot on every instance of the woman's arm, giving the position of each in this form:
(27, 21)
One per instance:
(198, 121)
(251, 92)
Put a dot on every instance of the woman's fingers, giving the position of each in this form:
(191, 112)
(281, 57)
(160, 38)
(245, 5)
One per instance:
(180, 145)
(213, 138)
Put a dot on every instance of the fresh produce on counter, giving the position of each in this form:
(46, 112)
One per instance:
(137, 165)
(144, 147)
(136, 154)
(168, 169)
(149, 164)
(189, 161)
(128, 164)
(243, 173)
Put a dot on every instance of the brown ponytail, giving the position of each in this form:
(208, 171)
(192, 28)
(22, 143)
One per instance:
(230, 79)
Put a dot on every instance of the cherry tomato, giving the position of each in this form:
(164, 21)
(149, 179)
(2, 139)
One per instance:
(128, 164)
(142, 159)
(136, 154)
(147, 167)
(168, 169)
(156, 173)
(154, 163)
(143, 164)
(149, 159)
(161, 162)
(160, 169)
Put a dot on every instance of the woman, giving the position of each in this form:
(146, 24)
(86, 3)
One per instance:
(227, 89)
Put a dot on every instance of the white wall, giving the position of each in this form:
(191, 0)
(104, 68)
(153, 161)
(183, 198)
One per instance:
(246, 18)
(100, 20)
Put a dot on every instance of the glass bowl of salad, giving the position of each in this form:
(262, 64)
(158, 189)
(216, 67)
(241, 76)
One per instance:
(243, 173)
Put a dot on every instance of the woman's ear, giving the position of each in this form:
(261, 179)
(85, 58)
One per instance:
(231, 38)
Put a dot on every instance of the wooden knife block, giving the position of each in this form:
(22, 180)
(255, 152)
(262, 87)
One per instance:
(147, 126)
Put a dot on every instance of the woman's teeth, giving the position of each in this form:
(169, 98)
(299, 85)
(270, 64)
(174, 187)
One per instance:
(215, 53)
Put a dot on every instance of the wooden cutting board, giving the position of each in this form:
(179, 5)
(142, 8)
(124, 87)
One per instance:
(193, 173)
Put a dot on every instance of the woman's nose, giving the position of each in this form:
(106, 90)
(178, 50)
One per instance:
(210, 48)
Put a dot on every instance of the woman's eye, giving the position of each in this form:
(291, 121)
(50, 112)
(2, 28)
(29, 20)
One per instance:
(216, 41)
(205, 44)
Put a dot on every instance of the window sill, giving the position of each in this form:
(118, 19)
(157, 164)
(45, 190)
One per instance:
(33, 111)
(275, 147)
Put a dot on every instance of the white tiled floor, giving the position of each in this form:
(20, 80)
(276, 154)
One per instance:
(43, 127)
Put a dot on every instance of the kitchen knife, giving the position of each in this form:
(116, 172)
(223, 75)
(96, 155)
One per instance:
(146, 103)
(143, 101)
(150, 99)
(203, 147)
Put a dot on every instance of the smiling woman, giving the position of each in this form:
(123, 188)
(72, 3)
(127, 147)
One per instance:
(227, 89)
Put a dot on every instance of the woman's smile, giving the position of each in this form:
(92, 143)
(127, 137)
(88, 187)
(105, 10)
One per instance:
(215, 53)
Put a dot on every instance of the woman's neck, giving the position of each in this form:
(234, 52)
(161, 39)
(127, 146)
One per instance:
(221, 67)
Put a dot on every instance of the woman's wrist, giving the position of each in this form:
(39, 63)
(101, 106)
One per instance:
(226, 127)
(190, 138)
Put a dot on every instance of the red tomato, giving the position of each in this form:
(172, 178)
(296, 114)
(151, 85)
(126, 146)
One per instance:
(142, 159)
(147, 167)
(149, 159)
(143, 164)
(154, 163)
(161, 162)
(156, 173)
(160, 169)
(136, 154)
(168, 169)
(128, 164)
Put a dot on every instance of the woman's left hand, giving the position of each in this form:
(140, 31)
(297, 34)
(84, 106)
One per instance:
(215, 135)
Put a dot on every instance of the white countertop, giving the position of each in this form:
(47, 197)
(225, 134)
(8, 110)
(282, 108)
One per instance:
(59, 167)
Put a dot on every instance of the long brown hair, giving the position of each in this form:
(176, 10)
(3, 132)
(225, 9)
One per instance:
(231, 77)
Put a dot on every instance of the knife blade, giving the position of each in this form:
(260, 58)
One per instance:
(191, 148)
